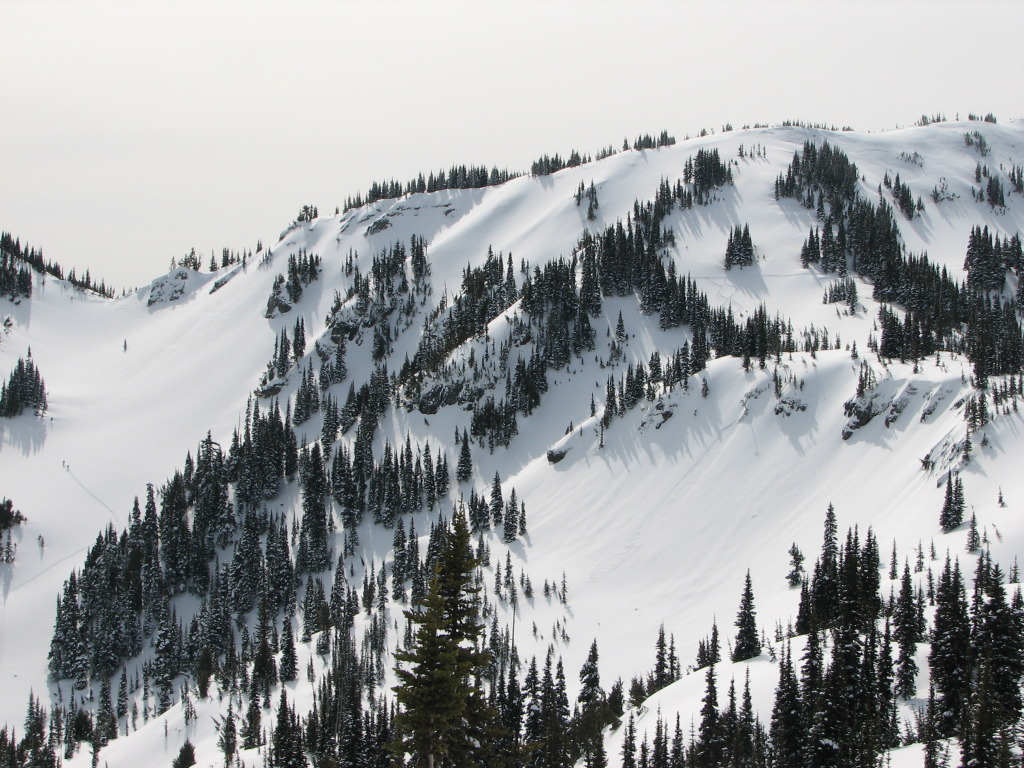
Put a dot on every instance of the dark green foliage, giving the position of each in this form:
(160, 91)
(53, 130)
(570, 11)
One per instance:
(24, 389)
(17, 261)
(814, 172)
(903, 197)
(994, 192)
(842, 291)
(795, 576)
(705, 172)
(228, 739)
(547, 164)
(314, 553)
(949, 658)
(997, 646)
(748, 641)
(303, 269)
(646, 141)
(287, 747)
(9, 516)
(186, 756)
(666, 665)
(787, 732)
(988, 258)
(593, 712)
(443, 716)
(15, 273)
(457, 177)
(907, 635)
(486, 291)
(289, 661)
(709, 651)
(952, 514)
(464, 470)
(708, 749)
(739, 251)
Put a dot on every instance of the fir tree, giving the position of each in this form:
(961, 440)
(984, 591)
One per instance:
(286, 744)
(443, 715)
(748, 641)
(464, 470)
(952, 514)
(949, 658)
(907, 636)
(186, 756)
(289, 661)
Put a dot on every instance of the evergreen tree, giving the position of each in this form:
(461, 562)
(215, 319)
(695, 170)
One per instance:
(787, 733)
(228, 736)
(707, 752)
(593, 713)
(952, 513)
(186, 756)
(907, 636)
(629, 744)
(443, 717)
(286, 744)
(24, 389)
(464, 470)
(949, 658)
(289, 661)
(748, 641)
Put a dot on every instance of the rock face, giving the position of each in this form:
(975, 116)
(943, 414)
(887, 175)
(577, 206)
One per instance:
(173, 286)
(555, 455)
(861, 411)
(277, 304)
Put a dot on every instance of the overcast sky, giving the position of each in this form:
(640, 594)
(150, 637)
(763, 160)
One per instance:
(134, 131)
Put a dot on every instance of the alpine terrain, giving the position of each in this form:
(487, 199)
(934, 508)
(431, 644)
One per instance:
(685, 453)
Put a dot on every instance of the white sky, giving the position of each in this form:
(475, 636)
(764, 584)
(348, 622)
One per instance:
(133, 131)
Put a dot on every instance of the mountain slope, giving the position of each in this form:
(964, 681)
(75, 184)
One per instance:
(653, 521)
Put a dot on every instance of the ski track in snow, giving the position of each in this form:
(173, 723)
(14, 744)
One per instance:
(113, 514)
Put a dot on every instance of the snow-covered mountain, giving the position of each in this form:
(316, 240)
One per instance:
(634, 522)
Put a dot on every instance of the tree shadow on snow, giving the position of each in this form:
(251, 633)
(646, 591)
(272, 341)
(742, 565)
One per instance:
(27, 433)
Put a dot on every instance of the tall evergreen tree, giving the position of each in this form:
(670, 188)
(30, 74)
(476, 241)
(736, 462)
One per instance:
(464, 470)
(949, 658)
(787, 732)
(443, 717)
(952, 513)
(748, 641)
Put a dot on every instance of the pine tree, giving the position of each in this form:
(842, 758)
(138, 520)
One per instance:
(787, 732)
(286, 745)
(289, 661)
(952, 513)
(186, 756)
(629, 744)
(593, 713)
(497, 502)
(443, 716)
(510, 522)
(228, 736)
(796, 566)
(907, 636)
(949, 658)
(748, 641)
(464, 470)
(973, 537)
(707, 752)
